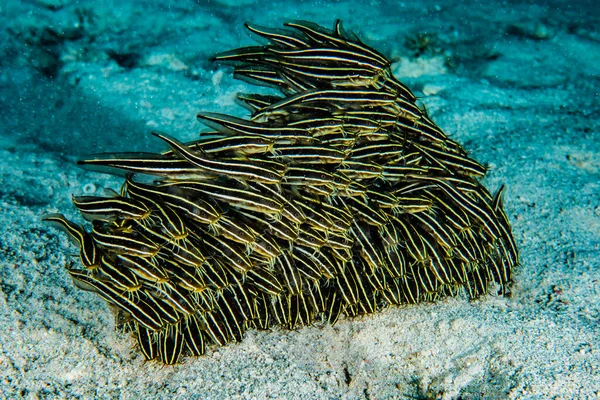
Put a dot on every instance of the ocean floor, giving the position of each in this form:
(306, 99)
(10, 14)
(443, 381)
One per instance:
(516, 83)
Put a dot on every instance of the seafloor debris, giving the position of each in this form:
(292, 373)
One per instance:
(339, 197)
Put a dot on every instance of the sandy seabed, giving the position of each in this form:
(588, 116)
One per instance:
(517, 84)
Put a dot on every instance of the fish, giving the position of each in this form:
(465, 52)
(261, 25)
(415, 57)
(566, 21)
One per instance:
(88, 253)
(126, 242)
(234, 196)
(236, 126)
(194, 207)
(122, 164)
(110, 208)
(232, 168)
(230, 146)
(312, 155)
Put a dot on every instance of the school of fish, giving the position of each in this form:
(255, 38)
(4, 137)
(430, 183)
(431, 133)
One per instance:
(337, 197)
